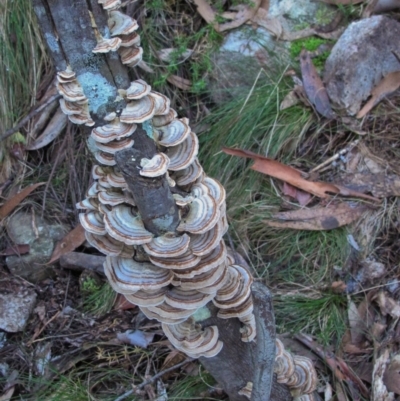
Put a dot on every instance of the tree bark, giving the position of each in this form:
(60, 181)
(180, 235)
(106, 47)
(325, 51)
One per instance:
(68, 29)
(70, 35)
(239, 363)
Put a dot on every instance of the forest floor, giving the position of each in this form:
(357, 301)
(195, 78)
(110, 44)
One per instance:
(336, 288)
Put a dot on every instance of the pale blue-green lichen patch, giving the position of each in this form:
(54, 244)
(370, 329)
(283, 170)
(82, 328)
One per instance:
(97, 89)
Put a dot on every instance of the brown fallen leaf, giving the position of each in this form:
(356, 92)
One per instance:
(351, 377)
(314, 87)
(354, 341)
(327, 356)
(44, 116)
(246, 12)
(272, 25)
(362, 370)
(355, 350)
(145, 67)
(294, 177)
(17, 249)
(388, 305)
(289, 100)
(229, 15)
(121, 303)
(52, 130)
(318, 218)
(378, 330)
(302, 197)
(378, 388)
(8, 394)
(357, 324)
(388, 85)
(71, 241)
(338, 366)
(179, 82)
(173, 358)
(206, 11)
(392, 374)
(12, 203)
(338, 287)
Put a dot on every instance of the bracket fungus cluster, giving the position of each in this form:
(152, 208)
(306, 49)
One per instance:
(181, 270)
(172, 274)
(297, 372)
(74, 102)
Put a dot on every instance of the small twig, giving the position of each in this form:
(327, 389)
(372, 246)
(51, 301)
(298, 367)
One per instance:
(335, 156)
(155, 377)
(36, 335)
(251, 91)
(29, 116)
(66, 291)
(34, 227)
(39, 340)
(396, 55)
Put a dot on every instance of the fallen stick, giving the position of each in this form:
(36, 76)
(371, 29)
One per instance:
(80, 261)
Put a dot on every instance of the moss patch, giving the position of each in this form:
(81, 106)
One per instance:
(311, 44)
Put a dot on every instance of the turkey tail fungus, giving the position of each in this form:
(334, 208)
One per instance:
(151, 197)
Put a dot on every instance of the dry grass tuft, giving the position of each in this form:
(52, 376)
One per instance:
(24, 64)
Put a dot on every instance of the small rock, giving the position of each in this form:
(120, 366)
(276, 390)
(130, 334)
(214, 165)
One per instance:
(16, 304)
(137, 338)
(371, 270)
(42, 357)
(246, 50)
(360, 59)
(239, 60)
(24, 228)
(295, 15)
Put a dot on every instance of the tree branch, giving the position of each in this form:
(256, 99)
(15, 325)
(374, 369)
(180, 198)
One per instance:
(152, 196)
